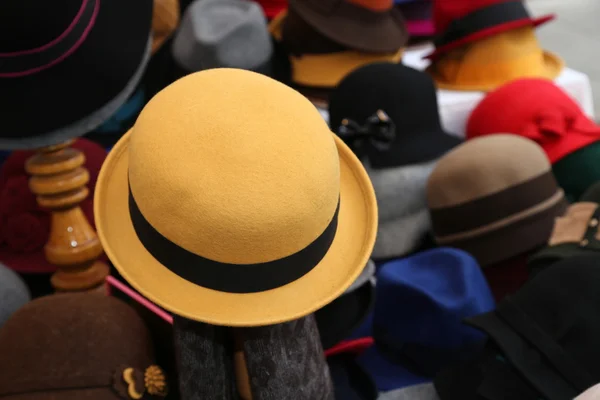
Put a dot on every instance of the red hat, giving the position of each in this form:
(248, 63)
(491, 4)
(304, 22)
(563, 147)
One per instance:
(536, 109)
(459, 22)
(273, 7)
(24, 225)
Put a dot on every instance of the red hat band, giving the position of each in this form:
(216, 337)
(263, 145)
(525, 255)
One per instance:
(482, 19)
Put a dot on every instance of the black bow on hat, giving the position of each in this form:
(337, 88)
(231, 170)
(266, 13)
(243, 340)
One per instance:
(378, 129)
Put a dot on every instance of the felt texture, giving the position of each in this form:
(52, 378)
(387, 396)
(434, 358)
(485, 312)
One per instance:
(89, 95)
(592, 393)
(227, 195)
(425, 391)
(69, 346)
(446, 12)
(412, 343)
(481, 175)
(205, 360)
(401, 201)
(504, 57)
(350, 381)
(307, 69)
(272, 8)
(356, 25)
(286, 361)
(24, 225)
(13, 293)
(222, 33)
(539, 110)
(165, 19)
(578, 171)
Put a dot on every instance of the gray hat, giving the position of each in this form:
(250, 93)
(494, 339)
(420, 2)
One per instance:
(223, 33)
(13, 293)
(366, 275)
(401, 201)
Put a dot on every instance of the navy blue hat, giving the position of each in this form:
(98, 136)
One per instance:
(420, 302)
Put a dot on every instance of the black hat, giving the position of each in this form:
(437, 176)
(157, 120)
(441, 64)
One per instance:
(548, 331)
(408, 131)
(66, 66)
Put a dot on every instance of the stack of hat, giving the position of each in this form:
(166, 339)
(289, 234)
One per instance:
(482, 44)
(496, 198)
(328, 39)
(223, 34)
(399, 152)
(541, 111)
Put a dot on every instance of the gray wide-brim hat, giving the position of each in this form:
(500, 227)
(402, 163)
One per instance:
(13, 293)
(403, 216)
(223, 34)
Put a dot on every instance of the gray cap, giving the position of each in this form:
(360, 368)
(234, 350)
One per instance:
(222, 34)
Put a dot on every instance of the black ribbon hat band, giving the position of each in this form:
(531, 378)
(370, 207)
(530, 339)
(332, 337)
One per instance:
(485, 18)
(225, 277)
(27, 62)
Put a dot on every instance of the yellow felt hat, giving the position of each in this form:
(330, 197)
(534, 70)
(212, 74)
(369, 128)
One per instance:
(232, 203)
(327, 70)
(489, 63)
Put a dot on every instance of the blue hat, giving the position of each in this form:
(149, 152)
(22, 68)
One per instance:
(420, 302)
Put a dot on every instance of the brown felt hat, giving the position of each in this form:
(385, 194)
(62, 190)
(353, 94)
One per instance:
(575, 233)
(77, 346)
(364, 25)
(495, 197)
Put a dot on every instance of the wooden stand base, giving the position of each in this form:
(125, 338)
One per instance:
(59, 179)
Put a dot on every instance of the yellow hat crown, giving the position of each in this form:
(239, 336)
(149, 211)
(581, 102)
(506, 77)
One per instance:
(234, 167)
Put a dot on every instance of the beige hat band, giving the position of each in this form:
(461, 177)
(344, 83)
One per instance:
(556, 198)
(226, 277)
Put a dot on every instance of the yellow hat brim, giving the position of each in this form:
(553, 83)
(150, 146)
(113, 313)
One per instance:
(347, 256)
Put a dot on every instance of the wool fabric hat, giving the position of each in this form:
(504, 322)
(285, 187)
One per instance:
(225, 225)
(272, 8)
(78, 346)
(412, 343)
(165, 19)
(547, 330)
(419, 17)
(461, 22)
(24, 225)
(400, 164)
(373, 26)
(538, 110)
(575, 233)
(482, 201)
(504, 57)
(13, 293)
(350, 381)
(315, 61)
(223, 33)
(91, 52)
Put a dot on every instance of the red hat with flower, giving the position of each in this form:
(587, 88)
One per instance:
(460, 22)
(536, 109)
(24, 225)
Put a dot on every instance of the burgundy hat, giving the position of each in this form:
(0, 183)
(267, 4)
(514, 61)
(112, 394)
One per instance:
(24, 225)
(78, 346)
(459, 22)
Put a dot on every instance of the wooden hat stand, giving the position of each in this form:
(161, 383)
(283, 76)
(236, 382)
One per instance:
(59, 179)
